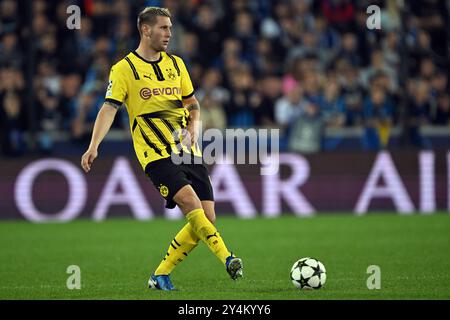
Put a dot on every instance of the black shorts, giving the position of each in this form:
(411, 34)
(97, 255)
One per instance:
(169, 178)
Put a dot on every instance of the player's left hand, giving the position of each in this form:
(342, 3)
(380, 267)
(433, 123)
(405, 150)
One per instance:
(193, 132)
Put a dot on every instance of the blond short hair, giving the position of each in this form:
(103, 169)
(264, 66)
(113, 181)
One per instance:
(149, 16)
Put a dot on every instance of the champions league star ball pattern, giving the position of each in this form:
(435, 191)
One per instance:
(308, 273)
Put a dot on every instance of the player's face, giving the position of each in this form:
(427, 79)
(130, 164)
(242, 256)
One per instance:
(160, 34)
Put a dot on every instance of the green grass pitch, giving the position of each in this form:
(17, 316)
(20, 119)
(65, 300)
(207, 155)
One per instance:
(117, 256)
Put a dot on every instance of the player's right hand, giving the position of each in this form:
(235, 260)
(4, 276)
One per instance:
(87, 159)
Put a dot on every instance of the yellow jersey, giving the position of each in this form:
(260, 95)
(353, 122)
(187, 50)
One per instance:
(152, 92)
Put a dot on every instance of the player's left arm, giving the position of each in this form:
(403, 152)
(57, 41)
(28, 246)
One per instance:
(193, 106)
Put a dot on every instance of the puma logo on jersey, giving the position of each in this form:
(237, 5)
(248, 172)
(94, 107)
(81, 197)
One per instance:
(212, 235)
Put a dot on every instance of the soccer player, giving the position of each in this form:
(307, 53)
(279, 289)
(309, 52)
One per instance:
(158, 94)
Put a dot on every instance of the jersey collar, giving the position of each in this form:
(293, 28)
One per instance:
(148, 61)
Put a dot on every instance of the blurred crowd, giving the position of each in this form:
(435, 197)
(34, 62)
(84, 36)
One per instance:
(298, 65)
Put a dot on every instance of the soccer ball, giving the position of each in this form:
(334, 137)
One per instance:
(308, 273)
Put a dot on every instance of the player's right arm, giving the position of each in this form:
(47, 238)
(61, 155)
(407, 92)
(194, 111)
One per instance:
(115, 95)
(103, 123)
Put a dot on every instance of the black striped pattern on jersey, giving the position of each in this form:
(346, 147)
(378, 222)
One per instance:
(162, 125)
(183, 122)
(158, 72)
(173, 123)
(157, 132)
(175, 64)
(165, 114)
(169, 126)
(133, 68)
(166, 105)
(168, 113)
(176, 134)
(148, 142)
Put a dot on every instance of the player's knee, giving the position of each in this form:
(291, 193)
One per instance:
(189, 202)
(211, 217)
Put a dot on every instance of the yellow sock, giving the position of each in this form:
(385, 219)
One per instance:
(183, 243)
(206, 231)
